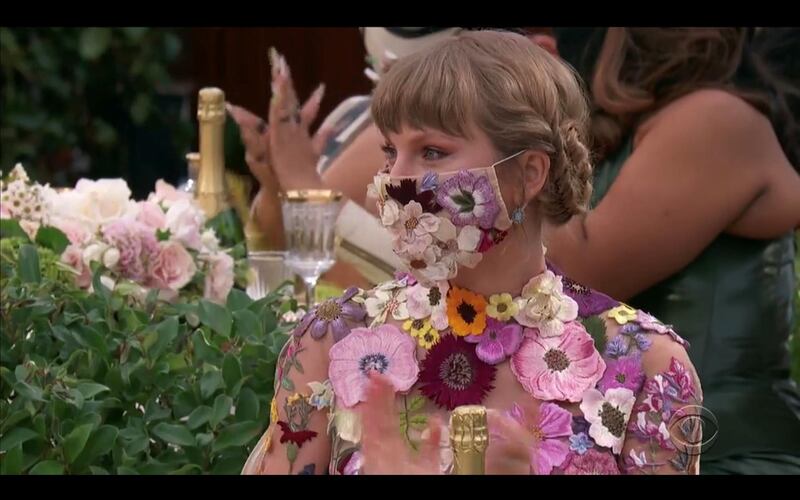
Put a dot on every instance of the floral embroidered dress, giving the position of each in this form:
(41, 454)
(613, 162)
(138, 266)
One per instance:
(602, 388)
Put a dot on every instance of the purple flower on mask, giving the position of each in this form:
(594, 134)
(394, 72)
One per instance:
(332, 314)
(590, 302)
(498, 341)
(470, 200)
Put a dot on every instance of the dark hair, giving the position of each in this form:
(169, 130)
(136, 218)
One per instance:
(633, 72)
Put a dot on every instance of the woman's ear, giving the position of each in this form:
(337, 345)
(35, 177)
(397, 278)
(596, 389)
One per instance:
(535, 167)
(547, 42)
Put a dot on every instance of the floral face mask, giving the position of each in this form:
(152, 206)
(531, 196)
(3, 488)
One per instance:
(439, 222)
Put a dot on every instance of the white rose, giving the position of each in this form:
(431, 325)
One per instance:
(210, 241)
(93, 253)
(111, 257)
(96, 203)
(184, 221)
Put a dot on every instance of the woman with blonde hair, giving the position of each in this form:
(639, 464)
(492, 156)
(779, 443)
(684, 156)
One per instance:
(484, 142)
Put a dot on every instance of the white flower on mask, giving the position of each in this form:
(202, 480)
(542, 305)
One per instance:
(390, 213)
(377, 189)
(459, 246)
(386, 302)
(414, 222)
(544, 305)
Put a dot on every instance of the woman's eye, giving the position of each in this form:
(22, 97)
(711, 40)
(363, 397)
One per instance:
(432, 154)
(389, 152)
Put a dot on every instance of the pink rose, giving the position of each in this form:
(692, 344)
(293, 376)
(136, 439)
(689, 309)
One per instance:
(136, 243)
(172, 267)
(167, 195)
(185, 223)
(151, 215)
(219, 278)
(73, 257)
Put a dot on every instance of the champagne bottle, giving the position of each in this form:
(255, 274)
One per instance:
(211, 192)
(469, 437)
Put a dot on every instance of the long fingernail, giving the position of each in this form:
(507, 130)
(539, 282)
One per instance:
(319, 93)
(389, 54)
(284, 67)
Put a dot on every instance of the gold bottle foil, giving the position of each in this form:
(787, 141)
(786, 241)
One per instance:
(469, 437)
(211, 194)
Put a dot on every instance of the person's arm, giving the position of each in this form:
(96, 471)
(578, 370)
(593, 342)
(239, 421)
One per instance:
(693, 174)
(664, 432)
(296, 439)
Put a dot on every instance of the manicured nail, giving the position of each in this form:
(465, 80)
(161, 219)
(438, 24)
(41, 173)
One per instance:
(319, 93)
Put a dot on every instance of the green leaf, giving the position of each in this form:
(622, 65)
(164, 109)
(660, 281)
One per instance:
(231, 372)
(216, 317)
(91, 389)
(99, 288)
(28, 265)
(209, 384)
(167, 330)
(47, 467)
(98, 445)
(12, 461)
(204, 439)
(10, 228)
(246, 324)
(416, 404)
(163, 234)
(175, 434)
(98, 471)
(16, 437)
(13, 419)
(76, 441)
(198, 417)
(94, 42)
(29, 391)
(237, 300)
(287, 384)
(418, 421)
(127, 471)
(222, 408)
(87, 336)
(52, 238)
(597, 330)
(247, 407)
(236, 435)
(291, 452)
(186, 469)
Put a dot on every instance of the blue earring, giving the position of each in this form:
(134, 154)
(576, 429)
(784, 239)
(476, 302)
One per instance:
(518, 215)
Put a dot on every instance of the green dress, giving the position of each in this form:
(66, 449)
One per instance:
(733, 303)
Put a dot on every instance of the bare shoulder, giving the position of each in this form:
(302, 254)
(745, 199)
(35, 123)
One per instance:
(719, 116)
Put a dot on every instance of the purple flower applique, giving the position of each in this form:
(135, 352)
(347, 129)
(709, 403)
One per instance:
(590, 302)
(333, 315)
(469, 199)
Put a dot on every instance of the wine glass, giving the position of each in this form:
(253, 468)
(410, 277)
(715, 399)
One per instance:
(309, 223)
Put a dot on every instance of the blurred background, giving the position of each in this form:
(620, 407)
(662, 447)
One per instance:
(119, 102)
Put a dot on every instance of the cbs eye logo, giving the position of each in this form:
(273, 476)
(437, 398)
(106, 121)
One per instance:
(693, 429)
